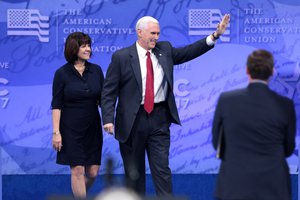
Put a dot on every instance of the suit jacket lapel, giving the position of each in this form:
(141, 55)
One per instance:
(135, 64)
(162, 60)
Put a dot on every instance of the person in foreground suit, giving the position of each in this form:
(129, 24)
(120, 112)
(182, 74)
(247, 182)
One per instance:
(142, 83)
(259, 129)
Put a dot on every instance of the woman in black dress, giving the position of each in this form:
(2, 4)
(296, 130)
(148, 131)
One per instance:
(77, 132)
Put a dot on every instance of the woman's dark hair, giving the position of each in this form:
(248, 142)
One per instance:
(260, 64)
(73, 43)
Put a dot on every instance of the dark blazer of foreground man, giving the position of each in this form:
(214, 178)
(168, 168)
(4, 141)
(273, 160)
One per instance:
(259, 129)
(137, 129)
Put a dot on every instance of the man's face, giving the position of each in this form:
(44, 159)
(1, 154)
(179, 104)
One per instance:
(148, 36)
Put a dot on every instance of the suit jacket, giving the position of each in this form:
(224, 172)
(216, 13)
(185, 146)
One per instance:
(123, 83)
(258, 133)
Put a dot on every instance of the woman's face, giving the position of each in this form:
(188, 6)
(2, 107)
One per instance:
(84, 52)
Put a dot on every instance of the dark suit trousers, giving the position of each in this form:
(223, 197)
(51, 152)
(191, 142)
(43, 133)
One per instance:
(150, 134)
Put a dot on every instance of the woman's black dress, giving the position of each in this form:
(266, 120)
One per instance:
(78, 98)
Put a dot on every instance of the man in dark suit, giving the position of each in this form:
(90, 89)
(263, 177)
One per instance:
(257, 134)
(140, 79)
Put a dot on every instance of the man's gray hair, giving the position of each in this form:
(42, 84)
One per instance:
(142, 22)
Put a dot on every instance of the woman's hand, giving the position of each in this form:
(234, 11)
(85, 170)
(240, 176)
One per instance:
(57, 141)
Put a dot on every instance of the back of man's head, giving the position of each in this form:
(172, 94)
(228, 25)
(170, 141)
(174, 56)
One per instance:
(260, 64)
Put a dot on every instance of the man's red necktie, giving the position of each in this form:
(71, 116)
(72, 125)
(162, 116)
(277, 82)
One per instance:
(149, 93)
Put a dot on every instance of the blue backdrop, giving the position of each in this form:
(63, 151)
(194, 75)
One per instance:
(32, 36)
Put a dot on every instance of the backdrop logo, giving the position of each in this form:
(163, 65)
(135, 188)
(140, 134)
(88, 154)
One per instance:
(28, 22)
(3, 93)
(204, 22)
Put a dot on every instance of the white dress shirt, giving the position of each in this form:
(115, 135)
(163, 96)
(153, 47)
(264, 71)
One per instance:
(160, 82)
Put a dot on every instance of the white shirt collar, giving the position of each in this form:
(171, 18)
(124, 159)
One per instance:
(141, 51)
